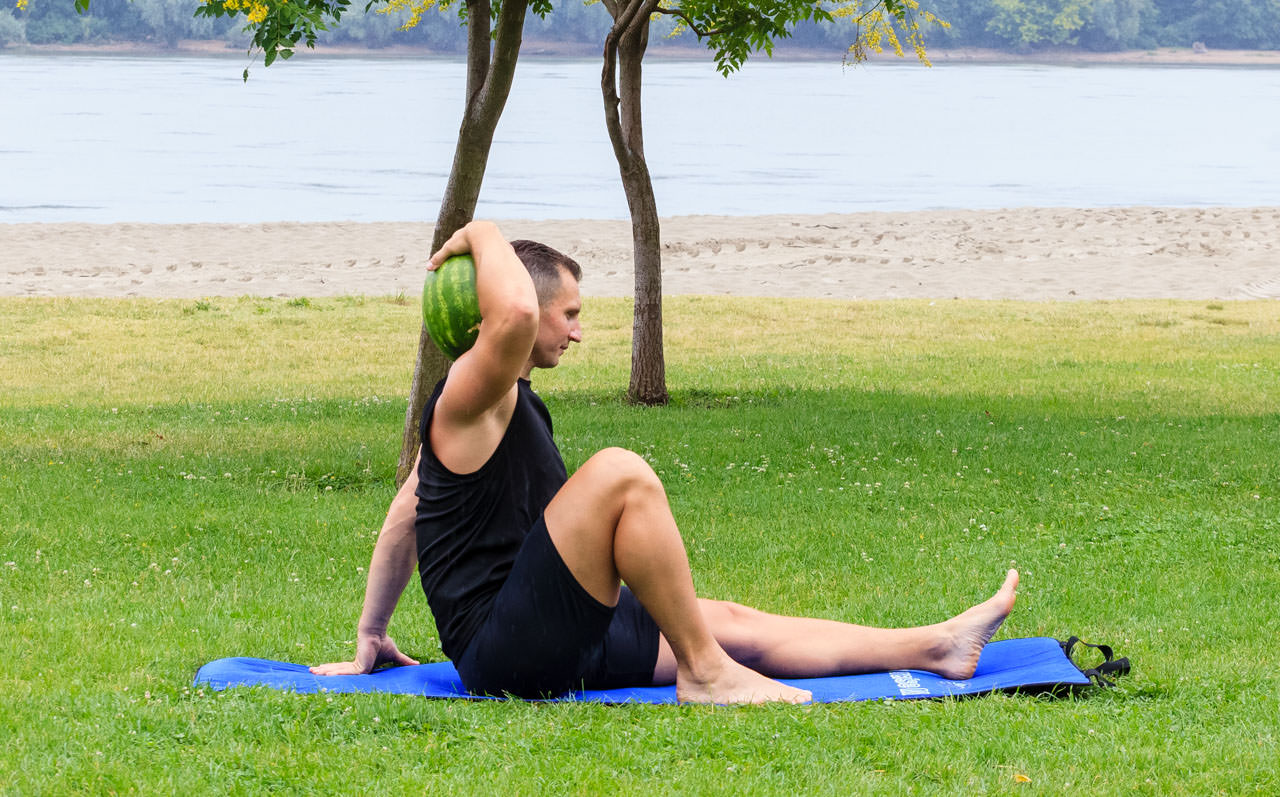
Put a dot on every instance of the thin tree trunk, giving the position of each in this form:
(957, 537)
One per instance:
(621, 84)
(491, 65)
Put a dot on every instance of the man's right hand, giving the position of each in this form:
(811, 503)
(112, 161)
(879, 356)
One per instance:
(371, 652)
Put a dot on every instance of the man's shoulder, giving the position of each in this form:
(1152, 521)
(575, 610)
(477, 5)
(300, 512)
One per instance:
(461, 440)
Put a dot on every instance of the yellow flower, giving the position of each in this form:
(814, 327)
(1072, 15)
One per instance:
(257, 13)
(22, 5)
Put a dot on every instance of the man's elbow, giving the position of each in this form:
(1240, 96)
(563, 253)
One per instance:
(518, 319)
(523, 309)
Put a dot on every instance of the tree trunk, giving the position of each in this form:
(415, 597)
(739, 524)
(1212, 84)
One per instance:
(491, 65)
(621, 84)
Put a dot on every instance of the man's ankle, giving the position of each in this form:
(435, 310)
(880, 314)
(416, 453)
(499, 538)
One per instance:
(705, 665)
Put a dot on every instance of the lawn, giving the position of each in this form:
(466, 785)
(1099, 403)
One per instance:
(187, 480)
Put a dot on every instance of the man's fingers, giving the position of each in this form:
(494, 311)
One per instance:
(443, 254)
(337, 668)
(370, 653)
(456, 245)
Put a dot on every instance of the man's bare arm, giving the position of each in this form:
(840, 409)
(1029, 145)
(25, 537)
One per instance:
(392, 564)
(484, 376)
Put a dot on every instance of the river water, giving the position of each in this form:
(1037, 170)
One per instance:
(169, 139)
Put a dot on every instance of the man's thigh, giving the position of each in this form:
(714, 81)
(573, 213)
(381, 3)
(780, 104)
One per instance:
(545, 634)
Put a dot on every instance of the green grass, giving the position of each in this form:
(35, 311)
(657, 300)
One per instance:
(183, 481)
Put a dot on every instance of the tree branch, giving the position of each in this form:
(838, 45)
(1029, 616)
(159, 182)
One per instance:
(477, 49)
(693, 26)
(640, 19)
(510, 34)
(631, 48)
(506, 50)
(874, 6)
(624, 15)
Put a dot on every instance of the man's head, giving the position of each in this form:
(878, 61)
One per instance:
(546, 266)
(555, 280)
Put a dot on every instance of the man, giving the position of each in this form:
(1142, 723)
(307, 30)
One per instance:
(523, 565)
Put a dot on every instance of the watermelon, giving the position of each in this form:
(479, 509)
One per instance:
(450, 308)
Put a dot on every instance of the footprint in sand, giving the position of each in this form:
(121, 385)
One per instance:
(1262, 289)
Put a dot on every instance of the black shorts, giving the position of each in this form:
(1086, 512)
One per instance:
(545, 635)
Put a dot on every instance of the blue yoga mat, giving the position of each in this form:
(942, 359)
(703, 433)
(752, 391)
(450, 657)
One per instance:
(1011, 664)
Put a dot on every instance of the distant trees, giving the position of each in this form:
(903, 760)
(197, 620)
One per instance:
(1225, 24)
(12, 31)
(1119, 25)
(1017, 25)
(171, 20)
(1032, 23)
(65, 22)
(50, 23)
(1026, 25)
(1093, 24)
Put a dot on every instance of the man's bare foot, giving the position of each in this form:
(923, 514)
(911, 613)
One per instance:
(967, 634)
(733, 684)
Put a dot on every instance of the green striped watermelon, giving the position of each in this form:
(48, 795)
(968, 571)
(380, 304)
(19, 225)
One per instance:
(450, 309)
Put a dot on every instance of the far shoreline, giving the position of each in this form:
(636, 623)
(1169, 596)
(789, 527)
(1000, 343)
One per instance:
(535, 49)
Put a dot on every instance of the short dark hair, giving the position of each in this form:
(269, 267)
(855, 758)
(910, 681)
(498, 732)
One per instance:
(544, 265)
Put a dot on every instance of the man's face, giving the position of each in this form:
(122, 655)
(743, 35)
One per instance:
(558, 325)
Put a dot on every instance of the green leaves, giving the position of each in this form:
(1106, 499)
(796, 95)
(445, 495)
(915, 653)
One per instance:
(278, 26)
(734, 30)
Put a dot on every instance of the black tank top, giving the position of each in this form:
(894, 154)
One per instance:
(469, 527)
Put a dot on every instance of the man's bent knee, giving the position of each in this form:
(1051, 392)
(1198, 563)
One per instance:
(622, 468)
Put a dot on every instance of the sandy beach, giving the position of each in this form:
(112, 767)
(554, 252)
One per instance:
(1038, 254)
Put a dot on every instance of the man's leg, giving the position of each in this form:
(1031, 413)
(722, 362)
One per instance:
(801, 647)
(611, 523)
